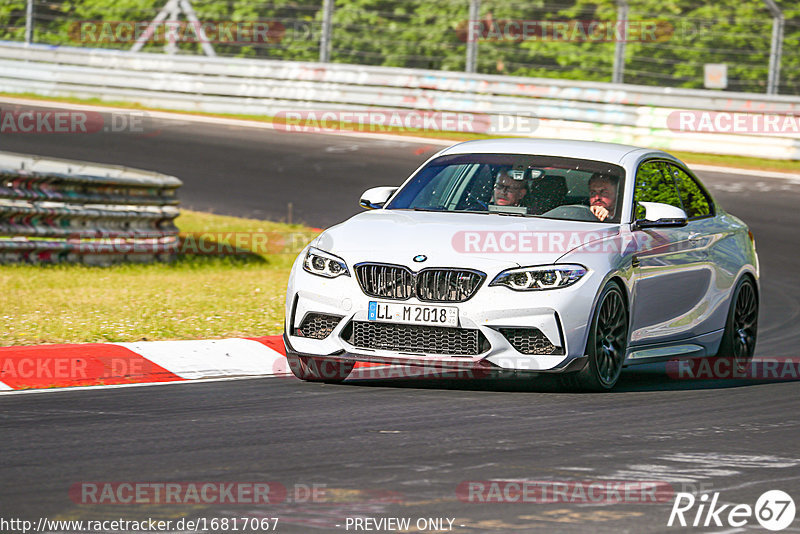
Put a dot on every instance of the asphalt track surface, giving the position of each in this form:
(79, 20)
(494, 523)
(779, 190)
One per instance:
(400, 448)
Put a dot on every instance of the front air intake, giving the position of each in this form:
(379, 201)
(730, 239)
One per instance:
(530, 341)
(317, 325)
(417, 339)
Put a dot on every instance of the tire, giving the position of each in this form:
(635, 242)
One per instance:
(606, 346)
(741, 327)
(319, 369)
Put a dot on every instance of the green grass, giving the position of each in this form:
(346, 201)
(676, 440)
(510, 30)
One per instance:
(741, 162)
(744, 162)
(195, 297)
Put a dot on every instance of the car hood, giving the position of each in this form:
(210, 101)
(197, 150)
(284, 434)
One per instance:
(489, 242)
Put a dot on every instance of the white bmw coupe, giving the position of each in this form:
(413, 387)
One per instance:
(536, 256)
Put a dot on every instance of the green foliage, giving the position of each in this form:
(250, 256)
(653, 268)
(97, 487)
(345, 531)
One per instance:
(659, 182)
(12, 19)
(654, 184)
(432, 35)
(695, 203)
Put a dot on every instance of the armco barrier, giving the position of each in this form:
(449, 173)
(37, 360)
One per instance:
(566, 109)
(67, 211)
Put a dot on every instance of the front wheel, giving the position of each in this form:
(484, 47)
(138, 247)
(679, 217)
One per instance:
(607, 344)
(741, 327)
(319, 369)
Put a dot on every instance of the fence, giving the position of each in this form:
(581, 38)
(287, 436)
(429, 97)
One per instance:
(54, 211)
(646, 43)
(563, 109)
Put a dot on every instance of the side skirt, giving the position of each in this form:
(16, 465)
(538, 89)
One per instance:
(697, 347)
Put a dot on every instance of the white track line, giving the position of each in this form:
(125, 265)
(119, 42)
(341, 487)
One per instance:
(185, 117)
(138, 384)
(166, 115)
(745, 172)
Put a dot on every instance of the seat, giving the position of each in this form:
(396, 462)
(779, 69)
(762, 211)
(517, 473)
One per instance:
(547, 193)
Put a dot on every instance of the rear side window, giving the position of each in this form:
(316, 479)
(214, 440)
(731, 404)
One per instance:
(695, 202)
(654, 184)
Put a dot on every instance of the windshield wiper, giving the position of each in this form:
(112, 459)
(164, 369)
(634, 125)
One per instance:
(445, 210)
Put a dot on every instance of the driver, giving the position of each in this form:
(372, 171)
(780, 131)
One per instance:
(603, 195)
(509, 188)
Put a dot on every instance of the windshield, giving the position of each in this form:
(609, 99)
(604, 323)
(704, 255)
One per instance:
(517, 184)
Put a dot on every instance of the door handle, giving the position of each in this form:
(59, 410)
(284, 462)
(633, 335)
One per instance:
(635, 261)
(695, 236)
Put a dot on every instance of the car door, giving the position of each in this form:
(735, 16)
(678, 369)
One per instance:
(671, 270)
(709, 231)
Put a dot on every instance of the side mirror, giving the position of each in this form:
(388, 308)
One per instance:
(658, 215)
(376, 197)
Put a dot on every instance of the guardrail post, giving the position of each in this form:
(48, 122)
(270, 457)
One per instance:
(472, 36)
(29, 22)
(620, 42)
(325, 38)
(776, 48)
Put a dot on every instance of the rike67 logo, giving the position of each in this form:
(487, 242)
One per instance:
(774, 510)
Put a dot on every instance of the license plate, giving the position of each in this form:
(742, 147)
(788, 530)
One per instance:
(392, 312)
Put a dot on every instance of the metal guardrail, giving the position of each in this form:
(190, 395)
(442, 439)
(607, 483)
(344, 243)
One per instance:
(566, 109)
(54, 211)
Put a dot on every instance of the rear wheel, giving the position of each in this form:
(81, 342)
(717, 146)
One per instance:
(319, 369)
(741, 328)
(607, 344)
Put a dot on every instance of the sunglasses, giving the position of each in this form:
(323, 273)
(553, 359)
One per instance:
(507, 188)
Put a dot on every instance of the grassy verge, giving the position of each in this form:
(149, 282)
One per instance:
(743, 162)
(196, 297)
(740, 162)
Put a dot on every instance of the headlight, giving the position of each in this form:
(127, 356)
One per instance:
(324, 264)
(538, 278)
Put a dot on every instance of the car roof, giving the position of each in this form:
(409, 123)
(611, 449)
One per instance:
(593, 150)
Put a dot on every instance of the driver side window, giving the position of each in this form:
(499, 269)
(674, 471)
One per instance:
(654, 184)
(695, 202)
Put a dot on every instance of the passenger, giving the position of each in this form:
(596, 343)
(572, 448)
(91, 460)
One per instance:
(603, 195)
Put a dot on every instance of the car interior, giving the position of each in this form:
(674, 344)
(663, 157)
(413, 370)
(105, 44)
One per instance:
(545, 193)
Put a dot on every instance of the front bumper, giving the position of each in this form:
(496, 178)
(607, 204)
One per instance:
(477, 367)
(562, 315)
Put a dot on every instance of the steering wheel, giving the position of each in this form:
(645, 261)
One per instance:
(574, 212)
(473, 204)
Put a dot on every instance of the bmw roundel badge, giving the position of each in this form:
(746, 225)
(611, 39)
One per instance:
(420, 258)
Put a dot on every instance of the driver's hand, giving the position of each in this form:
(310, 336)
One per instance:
(599, 211)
